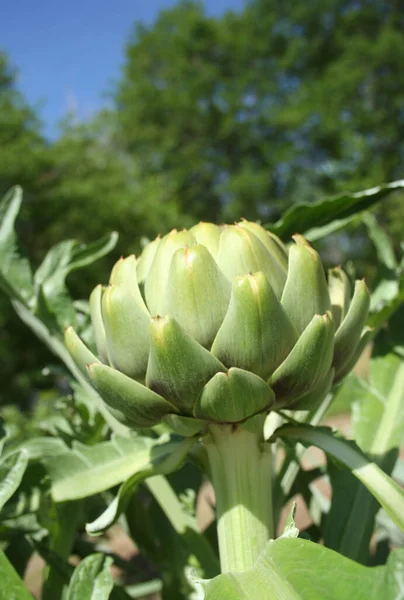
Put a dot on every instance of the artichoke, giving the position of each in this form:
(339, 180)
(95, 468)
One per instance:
(218, 324)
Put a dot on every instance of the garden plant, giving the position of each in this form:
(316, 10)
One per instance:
(214, 355)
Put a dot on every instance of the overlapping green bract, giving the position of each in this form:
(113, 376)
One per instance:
(220, 323)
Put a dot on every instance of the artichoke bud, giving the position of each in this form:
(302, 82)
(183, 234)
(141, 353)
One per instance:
(156, 281)
(185, 426)
(124, 275)
(256, 333)
(308, 362)
(241, 252)
(197, 293)
(208, 235)
(270, 241)
(126, 327)
(178, 365)
(79, 352)
(340, 293)
(306, 292)
(98, 324)
(233, 397)
(140, 406)
(346, 366)
(313, 399)
(248, 326)
(124, 271)
(349, 332)
(144, 262)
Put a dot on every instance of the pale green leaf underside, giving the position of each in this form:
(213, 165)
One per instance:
(378, 412)
(167, 461)
(87, 470)
(12, 470)
(92, 579)
(295, 569)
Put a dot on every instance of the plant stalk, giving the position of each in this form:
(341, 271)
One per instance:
(241, 475)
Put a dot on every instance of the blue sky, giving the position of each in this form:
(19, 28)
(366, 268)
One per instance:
(69, 53)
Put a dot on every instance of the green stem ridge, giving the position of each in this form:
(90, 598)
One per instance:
(241, 476)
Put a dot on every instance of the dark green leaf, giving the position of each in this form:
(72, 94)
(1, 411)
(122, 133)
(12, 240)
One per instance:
(350, 522)
(302, 217)
(11, 586)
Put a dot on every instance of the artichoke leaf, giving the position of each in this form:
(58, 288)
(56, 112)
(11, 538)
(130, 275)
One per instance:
(178, 366)
(233, 396)
(139, 405)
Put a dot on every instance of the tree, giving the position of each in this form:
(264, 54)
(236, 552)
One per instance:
(22, 148)
(250, 112)
(96, 183)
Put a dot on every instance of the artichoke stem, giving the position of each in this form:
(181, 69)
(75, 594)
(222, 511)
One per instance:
(241, 476)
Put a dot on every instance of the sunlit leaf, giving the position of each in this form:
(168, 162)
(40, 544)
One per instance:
(154, 461)
(383, 488)
(11, 586)
(86, 470)
(91, 579)
(303, 217)
(12, 470)
(295, 569)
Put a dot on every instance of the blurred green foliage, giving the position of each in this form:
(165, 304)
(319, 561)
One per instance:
(214, 119)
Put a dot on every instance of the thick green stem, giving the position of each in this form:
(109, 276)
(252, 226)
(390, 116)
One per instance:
(241, 476)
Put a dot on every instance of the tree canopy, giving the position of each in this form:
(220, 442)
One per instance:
(255, 110)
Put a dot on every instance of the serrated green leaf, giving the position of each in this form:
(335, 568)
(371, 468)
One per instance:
(62, 259)
(156, 463)
(86, 470)
(305, 216)
(56, 345)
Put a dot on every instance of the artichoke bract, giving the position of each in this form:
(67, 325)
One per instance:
(217, 324)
